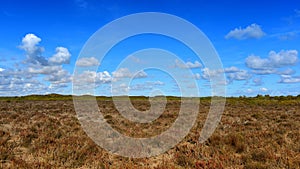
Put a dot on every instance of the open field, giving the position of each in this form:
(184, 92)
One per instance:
(43, 132)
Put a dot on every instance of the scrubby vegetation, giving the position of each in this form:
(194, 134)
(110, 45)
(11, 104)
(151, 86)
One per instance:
(43, 132)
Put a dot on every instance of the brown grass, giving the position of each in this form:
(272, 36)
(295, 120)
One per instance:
(253, 133)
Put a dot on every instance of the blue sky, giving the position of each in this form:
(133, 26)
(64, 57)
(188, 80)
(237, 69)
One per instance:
(257, 42)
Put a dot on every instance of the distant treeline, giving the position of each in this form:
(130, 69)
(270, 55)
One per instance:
(58, 97)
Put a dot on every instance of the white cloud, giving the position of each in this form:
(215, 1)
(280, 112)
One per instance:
(103, 77)
(57, 86)
(122, 73)
(62, 56)
(123, 89)
(88, 77)
(45, 70)
(232, 73)
(26, 79)
(19, 83)
(273, 71)
(240, 75)
(39, 65)
(53, 74)
(207, 73)
(283, 58)
(59, 77)
(125, 73)
(140, 74)
(264, 71)
(274, 60)
(251, 31)
(288, 71)
(191, 65)
(289, 79)
(188, 65)
(255, 62)
(231, 69)
(250, 91)
(263, 89)
(29, 43)
(27, 85)
(33, 52)
(1, 69)
(87, 61)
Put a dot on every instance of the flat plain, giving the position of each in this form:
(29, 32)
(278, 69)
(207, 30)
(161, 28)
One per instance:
(258, 132)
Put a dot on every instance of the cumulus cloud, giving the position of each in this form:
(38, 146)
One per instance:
(283, 58)
(255, 62)
(45, 70)
(1, 69)
(288, 71)
(27, 79)
(126, 73)
(231, 69)
(17, 82)
(239, 75)
(275, 64)
(264, 71)
(273, 71)
(232, 73)
(88, 77)
(53, 74)
(140, 74)
(57, 87)
(87, 61)
(59, 77)
(263, 89)
(39, 65)
(33, 51)
(251, 31)
(62, 56)
(103, 77)
(122, 73)
(289, 79)
(249, 91)
(208, 73)
(188, 65)
(274, 60)
(29, 42)
(121, 89)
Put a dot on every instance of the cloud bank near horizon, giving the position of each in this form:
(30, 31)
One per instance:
(41, 74)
